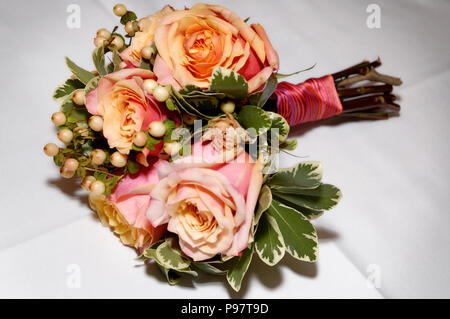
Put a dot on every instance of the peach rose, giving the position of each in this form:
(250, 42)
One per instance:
(144, 37)
(125, 107)
(125, 210)
(210, 205)
(191, 43)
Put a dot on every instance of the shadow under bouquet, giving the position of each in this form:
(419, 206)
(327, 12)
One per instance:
(176, 133)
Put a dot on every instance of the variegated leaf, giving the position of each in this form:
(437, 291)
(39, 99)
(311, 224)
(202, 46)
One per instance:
(253, 117)
(82, 75)
(299, 235)
(237, 271)
(66, 89)
(321, 198)
(279, 123)
(208, 268)
(304, 175)
(229, 82)
(269, 243)
(98, 57)
(170, 258)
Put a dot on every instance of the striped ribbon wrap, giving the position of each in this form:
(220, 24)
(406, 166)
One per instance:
(312, 100)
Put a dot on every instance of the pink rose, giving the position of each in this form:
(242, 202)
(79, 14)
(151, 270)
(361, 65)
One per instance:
(191, 43)
(210, 205)
(125, 210)
(125, 107)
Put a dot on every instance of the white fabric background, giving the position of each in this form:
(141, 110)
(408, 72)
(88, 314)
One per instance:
(394, 174)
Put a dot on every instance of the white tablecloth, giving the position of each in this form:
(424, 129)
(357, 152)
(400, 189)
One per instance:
(394, 174)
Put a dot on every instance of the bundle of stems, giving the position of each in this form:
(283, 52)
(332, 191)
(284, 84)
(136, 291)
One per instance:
(365, 93)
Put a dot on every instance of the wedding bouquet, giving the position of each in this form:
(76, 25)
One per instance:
(176, 135)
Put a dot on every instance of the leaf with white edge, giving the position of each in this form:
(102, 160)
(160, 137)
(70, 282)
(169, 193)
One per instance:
(116, 60)
(208, 268)
(264, 200)
(254, 117)
(170, 258)
(260, 98)
(229, 82)
(304, 175)
(269, 243)
(66, 89)
(279, 123)
(172, 276)
(299, 235)
(91, 85)
(98, 57)
(237, 271)
(81, 74)
(324, 197)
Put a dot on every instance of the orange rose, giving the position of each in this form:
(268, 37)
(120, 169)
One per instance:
(191, 43)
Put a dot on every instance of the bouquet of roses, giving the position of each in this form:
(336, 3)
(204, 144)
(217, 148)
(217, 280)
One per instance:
(176, 135)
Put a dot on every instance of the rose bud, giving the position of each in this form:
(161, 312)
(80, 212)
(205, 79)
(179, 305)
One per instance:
(79, 97)
(96, 123)
(71, 164)
(118, 159)
(157, 129)
(87, 181)
(98, 157)
(97, 187)
(65, 135)
(58, 118)
(65, 173)
(140, 139)
(120, 10)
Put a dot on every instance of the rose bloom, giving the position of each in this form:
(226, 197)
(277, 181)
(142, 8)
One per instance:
(126, 109)
(125, 210)
(191, 43)
(210, 205)
(144, 37)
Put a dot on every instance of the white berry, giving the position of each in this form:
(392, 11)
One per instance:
(120, 10)
(147, 52)
(157, 129)
(172, 148)
(51, 149)
(97, 187)
(71, 164)
(161, 93)
(78, 97)
(87, 181)
(96, 123)
(58, 118)
(98, 157)
(118, 159)
(104, 33)
(140, 139)
(117, 42)
(228, 107)
(65, 135)
(150, 85)
(66, 173)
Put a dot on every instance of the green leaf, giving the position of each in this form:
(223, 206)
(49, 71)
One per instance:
(170, 126)
(251, 116)
(280, 76)
(171, 105)
(170, 258)
(237, 271)
(172, 276)
(151, 142)
(302, 175)
(269, 243)
(324, 197)
(280, 123)
(129, 16)
(133, 167)
(208, 268)
(229, 82)
(289, 145)
(298, 233)
(82, 75)
(260, 98)
(145, 64)
(98, 56)
(66, 89)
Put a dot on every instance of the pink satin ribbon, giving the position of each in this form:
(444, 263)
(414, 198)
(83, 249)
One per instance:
(312, 100)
